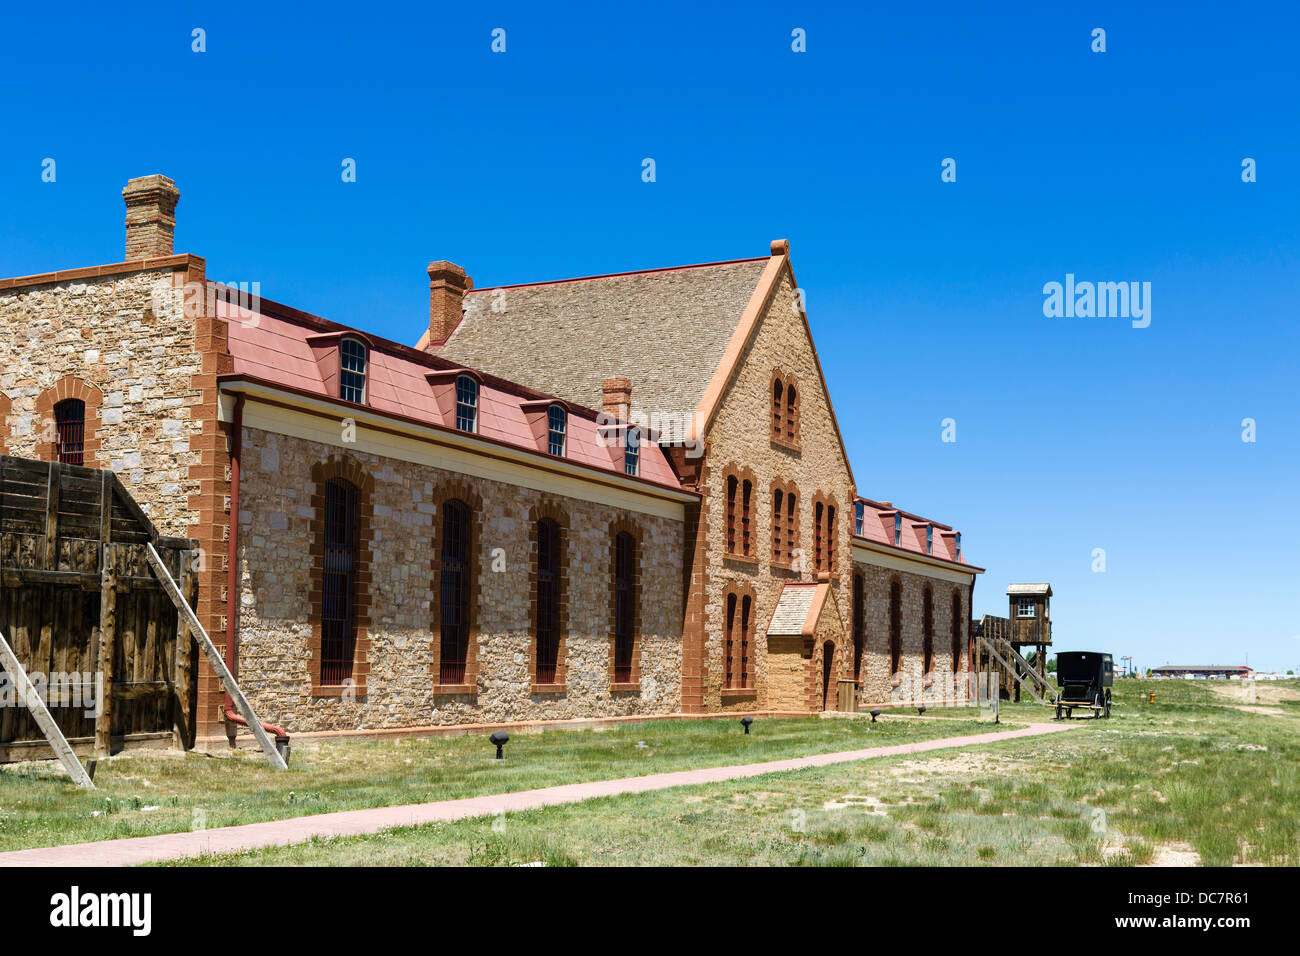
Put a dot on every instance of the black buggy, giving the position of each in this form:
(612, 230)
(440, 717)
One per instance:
(1085, 679)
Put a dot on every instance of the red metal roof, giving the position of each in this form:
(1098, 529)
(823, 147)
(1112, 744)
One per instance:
(878, 528)
(272, 345)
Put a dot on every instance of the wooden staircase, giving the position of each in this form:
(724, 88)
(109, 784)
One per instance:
(1021, 671)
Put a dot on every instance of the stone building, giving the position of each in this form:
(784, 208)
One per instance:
(612, 496)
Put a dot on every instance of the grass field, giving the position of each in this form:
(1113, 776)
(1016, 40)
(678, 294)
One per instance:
(1200, 776)
(146, 792)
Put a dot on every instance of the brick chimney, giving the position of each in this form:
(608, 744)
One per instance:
(616, 398)
(150, 216)
(448, 285)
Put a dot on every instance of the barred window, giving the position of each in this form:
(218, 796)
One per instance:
(736, 653)
(466, 403)
(733, 486)
(778, 522)
(339, 584)
(746, 496)
(352, 371)
(454, 592)
(859, 623)
(818, 517)
(956, 631)
(927, 632)
(778, 408)
(548, 600)
(624, 605)
(895, 627)
(70, 424)
(557, 424)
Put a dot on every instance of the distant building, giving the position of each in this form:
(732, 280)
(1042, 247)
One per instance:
(1202, 671)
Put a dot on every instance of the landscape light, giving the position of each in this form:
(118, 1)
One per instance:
(920, 711)
(745, 722)
(874, 715)
(500, 738)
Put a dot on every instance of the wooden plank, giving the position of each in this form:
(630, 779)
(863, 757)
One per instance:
(107, 642)
(214, 658)
(52, 519)
(27, 693)
(181, 670)
(106, 506)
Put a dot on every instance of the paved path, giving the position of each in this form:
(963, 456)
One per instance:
(169, 846)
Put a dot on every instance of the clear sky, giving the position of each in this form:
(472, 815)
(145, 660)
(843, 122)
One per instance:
(926, 297)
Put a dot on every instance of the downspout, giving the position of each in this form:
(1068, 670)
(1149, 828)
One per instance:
(970, 642)
(232, 582)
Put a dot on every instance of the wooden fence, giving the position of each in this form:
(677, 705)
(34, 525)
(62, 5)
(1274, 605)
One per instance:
(81, 607)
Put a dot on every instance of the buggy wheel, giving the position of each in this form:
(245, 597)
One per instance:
(1108, 707)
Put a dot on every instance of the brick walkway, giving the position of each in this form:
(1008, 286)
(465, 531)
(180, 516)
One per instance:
(169, 846)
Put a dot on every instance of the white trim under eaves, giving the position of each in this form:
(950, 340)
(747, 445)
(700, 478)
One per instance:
(454, 452)
(866, 552)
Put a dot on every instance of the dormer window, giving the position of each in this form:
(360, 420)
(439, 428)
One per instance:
(352, 371)
(557, 424)
(858, 512)
(958, 542)
(466, 403)
(898, 531)
(632, 452)
(929, 539)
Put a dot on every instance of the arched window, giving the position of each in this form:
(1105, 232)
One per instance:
(858, 512)
(466, 403)
(791, 524)
(791, 414)
(454, 592)
(956, 632)
(624, 606)
(859, 623)
(830, 538)
(632, 452)
(733, 488)
(736, 655)
(70, 424)
(339, 583)
(548, 600)
(778, 408)
(746, 497)
(818, 525)
(557, 425)
(352, 371)
(895, 628)
(927, 632)
(898, 530)
(778, 523)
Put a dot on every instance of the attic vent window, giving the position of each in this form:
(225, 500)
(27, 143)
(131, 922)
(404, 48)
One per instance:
(466, 403)
(352, 371)
(556, 429)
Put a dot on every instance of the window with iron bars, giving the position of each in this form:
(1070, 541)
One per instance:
(548, 600)
(70, 425)
(466, 403)
(859, 623)
(339, 584)
(454, 593)
(352, 371)
(895, 628)
(927, 632)
(956, 632)
(624, 605)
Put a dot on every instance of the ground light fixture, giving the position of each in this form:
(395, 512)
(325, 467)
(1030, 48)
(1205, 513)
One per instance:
(920, 711)
(874, 715)
(500, 738)
(745, 722)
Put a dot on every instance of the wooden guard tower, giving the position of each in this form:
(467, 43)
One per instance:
(1028, 624)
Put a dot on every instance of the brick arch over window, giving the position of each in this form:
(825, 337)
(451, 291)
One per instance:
(740, 504)
(354, 473)
(785, 503)
(739, 627)
(548, 510)
(786, 396)
(618, 527)
(6, 407)
(68, 387)
(895, 632)
(445, 492)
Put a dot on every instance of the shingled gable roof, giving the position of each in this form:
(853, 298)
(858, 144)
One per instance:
(664, 329)
(275, 346)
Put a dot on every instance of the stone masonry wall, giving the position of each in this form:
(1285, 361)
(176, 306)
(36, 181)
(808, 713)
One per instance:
(877, 682)
(275, 540)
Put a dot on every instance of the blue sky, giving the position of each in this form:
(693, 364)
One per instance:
(925, 297)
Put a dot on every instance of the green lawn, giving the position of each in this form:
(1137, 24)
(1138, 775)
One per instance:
(1191, 778)
(147, 792)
